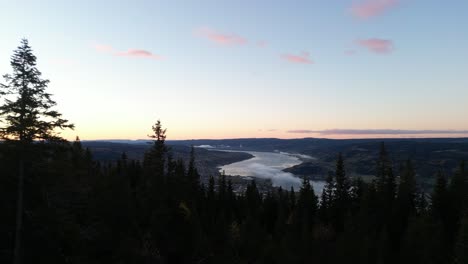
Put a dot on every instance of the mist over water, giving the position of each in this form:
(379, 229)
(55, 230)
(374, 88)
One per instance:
(270, 165)
(277, 177)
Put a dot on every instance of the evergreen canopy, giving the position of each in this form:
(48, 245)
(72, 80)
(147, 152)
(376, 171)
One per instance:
(27, 113)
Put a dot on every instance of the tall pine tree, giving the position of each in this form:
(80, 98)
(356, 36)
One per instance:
(342, 194)
(27, 115)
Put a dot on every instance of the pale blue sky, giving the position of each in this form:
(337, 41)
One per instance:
(395, 65)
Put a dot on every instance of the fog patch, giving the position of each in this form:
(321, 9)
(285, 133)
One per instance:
(278, 177)
(205, 146)
(298, 155)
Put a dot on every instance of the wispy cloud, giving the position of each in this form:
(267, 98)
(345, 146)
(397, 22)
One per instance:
(225, 39)
(376, 45)
(372, 8)
(139, 54)
(303, 58)
(376, 132)
(136, 53)
(304, 131)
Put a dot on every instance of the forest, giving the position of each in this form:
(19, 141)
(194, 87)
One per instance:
(60, 206)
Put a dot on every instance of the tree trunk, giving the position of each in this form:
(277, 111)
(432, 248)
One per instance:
(19, 213)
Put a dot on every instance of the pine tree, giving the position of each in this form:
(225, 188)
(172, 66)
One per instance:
(28, 115)
(457, 192)
(421, 202)
(307, 204)
(390, 187)
(385, 185)
(77, 152)
(211, 189)
(28, 109)
(154, 159)
(192, 173)
(461, 246)
(222, 187)
(341, 195)
(342, 183)
(357, 193)
(459, 188)
(292, 198)
(439, 198)
(407, 190)
(383, 165)
(327, 200)
(253, 197)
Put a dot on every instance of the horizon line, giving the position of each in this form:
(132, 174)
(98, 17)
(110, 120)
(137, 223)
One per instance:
(279, 138)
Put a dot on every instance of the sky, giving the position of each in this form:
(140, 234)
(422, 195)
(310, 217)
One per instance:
(243, 68)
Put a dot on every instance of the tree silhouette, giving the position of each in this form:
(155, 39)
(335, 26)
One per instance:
(327, 201)
(343, 184)
(440, 200)
(28, 115)
(341, 194)
(27, 111)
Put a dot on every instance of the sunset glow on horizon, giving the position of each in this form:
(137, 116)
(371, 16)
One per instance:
(249, 69)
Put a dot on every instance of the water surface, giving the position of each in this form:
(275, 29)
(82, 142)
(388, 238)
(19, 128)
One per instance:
(270, 165)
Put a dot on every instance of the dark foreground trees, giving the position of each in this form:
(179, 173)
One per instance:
(81, 211)
(26, 115)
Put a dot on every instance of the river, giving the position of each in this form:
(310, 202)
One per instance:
(270, 165)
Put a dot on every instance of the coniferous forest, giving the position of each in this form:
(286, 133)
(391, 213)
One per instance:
(60, 206)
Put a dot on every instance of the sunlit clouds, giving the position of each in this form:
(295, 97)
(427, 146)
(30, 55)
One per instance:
(303, 58)
(139, 54)
(230, 69)
(135, 53)
(224, 39)
(371, 8)
(376, 45)
(330, 132)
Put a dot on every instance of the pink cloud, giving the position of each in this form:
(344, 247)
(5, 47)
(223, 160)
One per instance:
(136, 53)
(372, 8)
(380, 46)
(303, 58)
(221, 38)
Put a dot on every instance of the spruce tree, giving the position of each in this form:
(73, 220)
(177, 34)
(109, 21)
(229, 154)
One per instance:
(461, 246)
(155, 158)
(327, 199)
(407, 189)
(385, 185)
(306, 205)
(459, 188)
(27, 115)
(439, 198)
(292, 198)
(342, 194)
(390, 187)
(357, 192)
(192, 172)
(343, 184)
(383, 164)
(28, 112)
